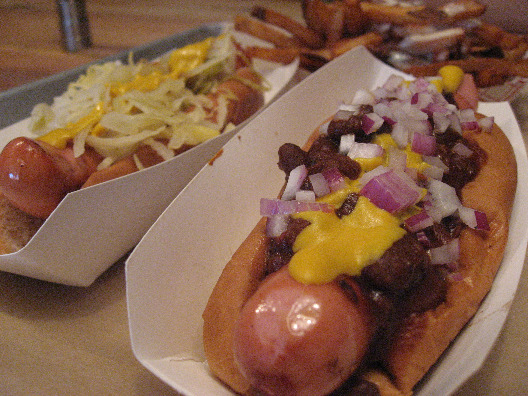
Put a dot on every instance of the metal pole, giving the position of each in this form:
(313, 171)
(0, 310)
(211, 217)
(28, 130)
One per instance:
(74, 24)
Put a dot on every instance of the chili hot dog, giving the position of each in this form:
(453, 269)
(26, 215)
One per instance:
(397, 209)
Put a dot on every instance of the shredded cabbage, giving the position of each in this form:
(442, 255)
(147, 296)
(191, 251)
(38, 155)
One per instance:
(143, 102)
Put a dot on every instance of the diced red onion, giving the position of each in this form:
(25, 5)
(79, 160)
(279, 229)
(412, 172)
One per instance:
(486, 123)
(473, 218)
(295, 181)
(419, 85)
(353, 108)
(413, 112)
(379, 93)
(424, 239)
(433, 172)
(422, 100)
(400, 134)
(419, 221)
(455, 122)
(383, 110)
(305, 195)
(468, 120)
(436, 169)
(446, 254)
(393, 82)
(420, 126)
(334, 178)
(435, 108)
(441, 122)
(451, 108)
(367, 176)
(272, 207)
(462, 150)
(403, 93)
(392, 191)
(346, 142)
(389, 120)
(444, 199)
(423, 144)
(323, 129)
(435, 161)
(342, 115)
(371, 122)
(365, 150)
(363, 96)
(397, 159)
(470, 125)
(319, 184)
(276, 225)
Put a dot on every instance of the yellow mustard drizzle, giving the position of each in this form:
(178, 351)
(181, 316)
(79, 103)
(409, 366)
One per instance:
(181, 60)
(59, 137)
(189, 57)
(143, 83)
(331, 246)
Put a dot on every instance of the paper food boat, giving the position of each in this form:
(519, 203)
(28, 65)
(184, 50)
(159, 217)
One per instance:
(94, 227)
(172, 271)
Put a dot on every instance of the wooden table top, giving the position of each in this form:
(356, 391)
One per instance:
(59, 340)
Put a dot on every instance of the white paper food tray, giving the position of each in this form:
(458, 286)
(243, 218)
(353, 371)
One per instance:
(172, 271)
(92, 228)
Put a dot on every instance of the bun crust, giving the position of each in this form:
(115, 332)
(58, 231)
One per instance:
(238, 281)
(424, 337)
(16, 227)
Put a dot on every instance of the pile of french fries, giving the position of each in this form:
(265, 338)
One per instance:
(415, 38)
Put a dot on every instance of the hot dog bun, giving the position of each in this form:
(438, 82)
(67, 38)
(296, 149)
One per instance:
(425, 336)
(16, 227)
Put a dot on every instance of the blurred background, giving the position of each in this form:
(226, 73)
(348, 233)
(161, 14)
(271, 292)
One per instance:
(31, 44)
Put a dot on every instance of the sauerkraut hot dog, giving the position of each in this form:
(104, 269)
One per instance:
(388, 234)
(117, 119)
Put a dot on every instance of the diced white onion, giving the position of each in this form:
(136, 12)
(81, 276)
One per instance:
(446, 254)
(346, 143)
(295, 181)
(305, 195)
(319, 184)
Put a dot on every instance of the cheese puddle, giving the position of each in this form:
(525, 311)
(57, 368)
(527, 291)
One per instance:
(331, 246)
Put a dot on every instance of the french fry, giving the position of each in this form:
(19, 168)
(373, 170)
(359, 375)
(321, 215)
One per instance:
(264, 31)
(305, 35)
(459, 10)
(397, 15)
(312, 59)
(494, 35)
(335, 27)
(516, 53)
(369, 40)
(328, 19)
(278, 55)
(422, 15)
(432, 42)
